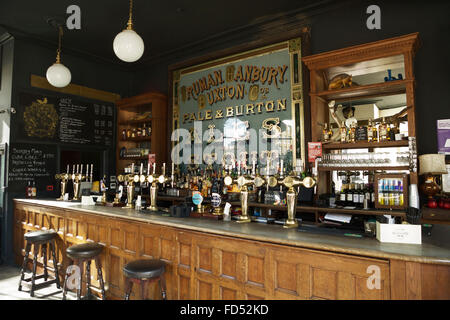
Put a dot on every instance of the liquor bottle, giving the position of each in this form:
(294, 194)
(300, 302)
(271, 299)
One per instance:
(139, 132)
(361, 195)
(124, 134)
(28, 191)
(356, 195)
(383, 130)
(144, 130)
(343, 132)
(388, 132)
(342, 195)
(349, 201)
(325, 133)
(370, 131)
(394, 130)
(367, 195)
(128, 133)
(33, 190)
(133, 133)
(352, 133)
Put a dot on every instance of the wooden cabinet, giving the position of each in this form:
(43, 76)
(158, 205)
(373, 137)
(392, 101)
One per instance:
(149, 110)
(368, 64)
(207, 266)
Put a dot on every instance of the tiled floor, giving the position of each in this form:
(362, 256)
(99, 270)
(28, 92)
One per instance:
(9, 283)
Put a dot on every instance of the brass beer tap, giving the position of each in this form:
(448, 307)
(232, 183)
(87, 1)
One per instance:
(292, 182)
(131, 179)
(152, 180)
(243, 182)
(77, 178)
(64, 177)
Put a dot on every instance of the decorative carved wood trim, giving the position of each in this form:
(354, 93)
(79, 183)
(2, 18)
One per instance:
(364, 52)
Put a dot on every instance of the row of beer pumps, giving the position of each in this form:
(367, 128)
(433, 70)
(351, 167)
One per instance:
(290, 181)
(244, 180)
(153, 180)
(77, 177)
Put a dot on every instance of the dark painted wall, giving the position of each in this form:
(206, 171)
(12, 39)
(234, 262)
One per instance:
(344, 25)
(31, 57)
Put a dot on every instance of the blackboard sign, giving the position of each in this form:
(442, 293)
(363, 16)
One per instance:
(32, 162)
(64, 119)
(361, 134)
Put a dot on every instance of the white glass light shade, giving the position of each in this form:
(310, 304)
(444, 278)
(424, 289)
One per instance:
(128, 46)
(58, 75)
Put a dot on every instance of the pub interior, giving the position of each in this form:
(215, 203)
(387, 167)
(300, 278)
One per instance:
(265, 150)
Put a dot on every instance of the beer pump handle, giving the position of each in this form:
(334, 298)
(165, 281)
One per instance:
(67, 169)
(164, 169)
(92, 172)
(142, 168)
(154, 167)
(148, 168)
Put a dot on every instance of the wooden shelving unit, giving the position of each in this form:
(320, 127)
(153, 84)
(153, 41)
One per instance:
(362, 60)
(128, 109)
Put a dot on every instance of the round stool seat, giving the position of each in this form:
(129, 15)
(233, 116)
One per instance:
(84, 250)
(37, 236)
(144, 269)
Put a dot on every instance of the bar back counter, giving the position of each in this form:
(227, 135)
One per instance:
(209, 259)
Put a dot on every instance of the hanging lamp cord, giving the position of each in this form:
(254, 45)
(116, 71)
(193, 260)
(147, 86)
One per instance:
(58, 52)
(130, 19)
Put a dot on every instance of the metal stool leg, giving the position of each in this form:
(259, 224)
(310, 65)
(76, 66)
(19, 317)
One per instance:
(100, 276)
(33, 276)
(128, 287)
(24, 264)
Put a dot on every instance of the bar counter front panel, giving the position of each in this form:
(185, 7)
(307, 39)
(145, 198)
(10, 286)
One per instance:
(208, 259)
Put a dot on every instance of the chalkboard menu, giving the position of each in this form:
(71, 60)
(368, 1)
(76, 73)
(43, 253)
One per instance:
(32, 162)
(64, 119)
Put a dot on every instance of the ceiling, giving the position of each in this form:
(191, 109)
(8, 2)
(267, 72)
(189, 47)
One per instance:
(165, 26)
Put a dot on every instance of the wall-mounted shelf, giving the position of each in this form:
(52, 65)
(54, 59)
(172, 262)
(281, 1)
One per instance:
(364, 91)
(364, 144)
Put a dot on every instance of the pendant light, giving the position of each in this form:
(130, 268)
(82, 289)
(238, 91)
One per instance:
(58, 75)
(128, 45)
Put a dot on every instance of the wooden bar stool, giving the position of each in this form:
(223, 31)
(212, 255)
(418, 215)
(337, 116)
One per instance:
(142, 272)
(39, 239)
(79, 254)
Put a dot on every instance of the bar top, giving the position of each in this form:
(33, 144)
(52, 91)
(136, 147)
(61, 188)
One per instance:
(434, 249)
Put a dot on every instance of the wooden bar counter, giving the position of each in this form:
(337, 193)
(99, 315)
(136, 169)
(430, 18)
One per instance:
(209, 259)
